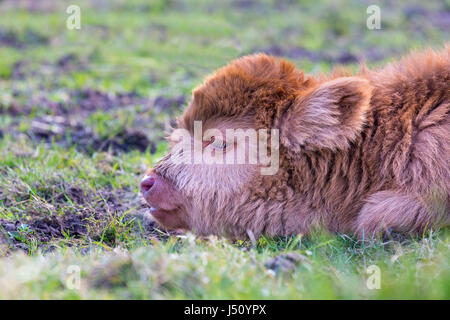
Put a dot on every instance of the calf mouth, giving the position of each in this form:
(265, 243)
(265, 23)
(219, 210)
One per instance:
(172, 219)
(159, 213)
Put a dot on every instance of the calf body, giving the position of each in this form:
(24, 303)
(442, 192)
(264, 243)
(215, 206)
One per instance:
(365, 154)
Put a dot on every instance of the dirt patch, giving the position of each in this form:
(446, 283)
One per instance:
(40, 232)
(65, 122)
(75, 194)
(169, 103)
(19, 70)
(54, 227)
(8, 38)
(83, 102)
(126, 141)
(91, 100)
(67, 63)
(68, 133)
(438, 18)
(87, 218)
(15, 109)
(285, 262)
(77, 102)
(11, 38)
(245, 4)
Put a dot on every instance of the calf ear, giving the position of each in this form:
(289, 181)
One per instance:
(330, 116)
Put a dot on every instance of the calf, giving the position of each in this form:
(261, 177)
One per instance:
(366, 154)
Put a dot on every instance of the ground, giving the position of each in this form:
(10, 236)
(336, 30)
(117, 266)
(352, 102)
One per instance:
(83, 114)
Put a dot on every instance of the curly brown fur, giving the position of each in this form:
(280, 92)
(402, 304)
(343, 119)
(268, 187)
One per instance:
(359, 154)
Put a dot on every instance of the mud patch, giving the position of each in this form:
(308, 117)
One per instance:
(78, 103)
(81, 103)
(8, 38)
(126, 141)
(19, 70)
(285, 262)
(75, 194)
(14, 109)
(68, 133)
(162, 103)
(439, 18)
(64, 121)
(245, 4)
(11, 38)
(67, 63)
(99, 217)
(52, 227)
(91, 100)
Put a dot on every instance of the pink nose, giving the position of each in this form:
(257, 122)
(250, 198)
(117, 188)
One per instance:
(147, 183)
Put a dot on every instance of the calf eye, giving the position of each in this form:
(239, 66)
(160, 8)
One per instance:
(219, 144)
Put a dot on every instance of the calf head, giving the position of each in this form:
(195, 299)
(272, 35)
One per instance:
(216, 182)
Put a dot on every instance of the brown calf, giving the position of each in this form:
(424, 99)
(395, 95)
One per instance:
(364, 154)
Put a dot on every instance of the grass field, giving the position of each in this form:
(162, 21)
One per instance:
(83, 114)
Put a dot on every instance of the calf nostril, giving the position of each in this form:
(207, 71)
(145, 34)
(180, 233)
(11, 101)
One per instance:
(147, 183)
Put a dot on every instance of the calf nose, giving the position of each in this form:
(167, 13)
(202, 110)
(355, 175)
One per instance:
(147, 183)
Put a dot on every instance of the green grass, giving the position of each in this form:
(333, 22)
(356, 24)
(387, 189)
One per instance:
(70, 101)
(329, 267)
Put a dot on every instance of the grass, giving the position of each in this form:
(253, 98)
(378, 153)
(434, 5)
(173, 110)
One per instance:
(83, 114)
(329, 267)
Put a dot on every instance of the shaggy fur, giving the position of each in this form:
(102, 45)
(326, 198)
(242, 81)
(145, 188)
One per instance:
(363, 154)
